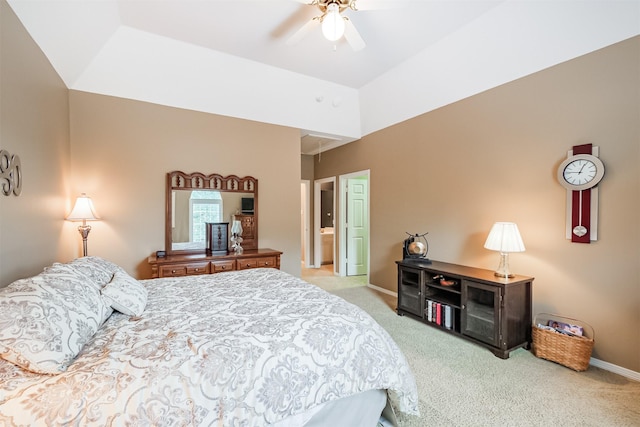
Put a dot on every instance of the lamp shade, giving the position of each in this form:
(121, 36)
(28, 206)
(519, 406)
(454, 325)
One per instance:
(83, 210)
(236, 227)
(504, 237)
(332, 23)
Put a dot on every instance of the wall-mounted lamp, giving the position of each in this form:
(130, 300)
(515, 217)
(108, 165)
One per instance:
(505, 238)
(333, 23)
(83, 211)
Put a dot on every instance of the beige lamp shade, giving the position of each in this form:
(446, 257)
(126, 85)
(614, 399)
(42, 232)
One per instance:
(83, 210)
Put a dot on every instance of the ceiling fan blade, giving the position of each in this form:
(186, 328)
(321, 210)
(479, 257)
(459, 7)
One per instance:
(353, 36)
(303, 31)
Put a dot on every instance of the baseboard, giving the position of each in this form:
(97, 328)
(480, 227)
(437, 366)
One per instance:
(383, 290)
(628, 373)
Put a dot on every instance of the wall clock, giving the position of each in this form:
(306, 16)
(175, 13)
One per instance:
(580, 174)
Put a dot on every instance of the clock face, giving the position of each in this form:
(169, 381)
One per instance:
(580, 172)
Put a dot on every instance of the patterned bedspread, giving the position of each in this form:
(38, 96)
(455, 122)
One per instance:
(245, 348)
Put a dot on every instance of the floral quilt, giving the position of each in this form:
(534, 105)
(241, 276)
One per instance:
(246, 348)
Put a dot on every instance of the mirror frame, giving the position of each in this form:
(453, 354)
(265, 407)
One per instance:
(178, 180)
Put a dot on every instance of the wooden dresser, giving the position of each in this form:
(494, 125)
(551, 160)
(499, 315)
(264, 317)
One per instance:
(185, 265)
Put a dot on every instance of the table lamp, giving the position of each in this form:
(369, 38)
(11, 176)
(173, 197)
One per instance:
(505, 238)
(83, 211)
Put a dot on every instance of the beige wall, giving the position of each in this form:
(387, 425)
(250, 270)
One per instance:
(121, 151)
(34, 124)
(493, 157)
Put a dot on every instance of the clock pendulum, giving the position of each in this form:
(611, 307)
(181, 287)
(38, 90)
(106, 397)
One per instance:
(580, 174)
(580, 230)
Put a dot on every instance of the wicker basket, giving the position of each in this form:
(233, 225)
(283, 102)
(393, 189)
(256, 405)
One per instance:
(570, 351)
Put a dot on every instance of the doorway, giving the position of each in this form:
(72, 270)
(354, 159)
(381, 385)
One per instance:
(324, 222)
(354, 221)
(305, 207)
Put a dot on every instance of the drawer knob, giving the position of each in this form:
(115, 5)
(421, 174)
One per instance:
(173, 271)
(224, 266)
(197, 269)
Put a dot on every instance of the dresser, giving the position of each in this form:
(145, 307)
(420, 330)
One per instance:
(191, 264)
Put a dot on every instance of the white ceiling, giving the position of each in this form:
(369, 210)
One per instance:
(258, 30)
(137, 48)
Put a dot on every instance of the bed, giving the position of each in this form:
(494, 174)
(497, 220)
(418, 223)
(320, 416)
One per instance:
(85, 344)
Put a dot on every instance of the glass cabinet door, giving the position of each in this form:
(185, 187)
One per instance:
(481, 312)
(409, 283)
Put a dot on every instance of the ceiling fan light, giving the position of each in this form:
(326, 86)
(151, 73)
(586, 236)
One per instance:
(332, 23)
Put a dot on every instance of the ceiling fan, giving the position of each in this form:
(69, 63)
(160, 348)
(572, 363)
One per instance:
(334, 25)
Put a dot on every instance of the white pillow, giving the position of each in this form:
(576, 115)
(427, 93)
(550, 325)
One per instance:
(125, 294)
(46, 320)
(99, 270)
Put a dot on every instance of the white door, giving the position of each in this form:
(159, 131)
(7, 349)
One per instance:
(357, 226)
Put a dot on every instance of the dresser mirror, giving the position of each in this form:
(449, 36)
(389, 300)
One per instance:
(194, 199)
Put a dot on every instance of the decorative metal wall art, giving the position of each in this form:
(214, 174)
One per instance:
(10, 173)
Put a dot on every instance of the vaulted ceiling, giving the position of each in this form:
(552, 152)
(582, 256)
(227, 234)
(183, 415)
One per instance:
(231, 57)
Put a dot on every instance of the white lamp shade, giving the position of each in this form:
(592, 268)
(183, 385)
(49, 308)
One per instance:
(504, 237)
(236, 227)
(333, 23)
(83, 210)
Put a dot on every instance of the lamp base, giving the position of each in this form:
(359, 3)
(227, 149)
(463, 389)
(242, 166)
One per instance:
(503, 275)
(237, 248)
(84, 230)
(503, 268)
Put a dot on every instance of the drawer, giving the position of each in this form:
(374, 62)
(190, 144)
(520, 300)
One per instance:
(265, 262)
(220, 266)
(199, 268)
(243, 264)
(173, 270)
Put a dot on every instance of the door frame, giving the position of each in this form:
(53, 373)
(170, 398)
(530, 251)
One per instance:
(317, 237)
(306, 221)
(342, 219)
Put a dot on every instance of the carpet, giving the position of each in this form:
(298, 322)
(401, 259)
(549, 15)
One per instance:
(463, 384)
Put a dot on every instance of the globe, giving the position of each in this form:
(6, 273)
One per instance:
(417, 248)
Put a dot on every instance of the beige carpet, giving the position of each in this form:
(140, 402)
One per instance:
(463, 384)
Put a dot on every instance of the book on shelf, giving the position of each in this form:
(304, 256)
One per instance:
(448, 313)
(441, 314)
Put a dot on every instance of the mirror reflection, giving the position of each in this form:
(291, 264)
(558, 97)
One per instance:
(191, 209)
(195, 199)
